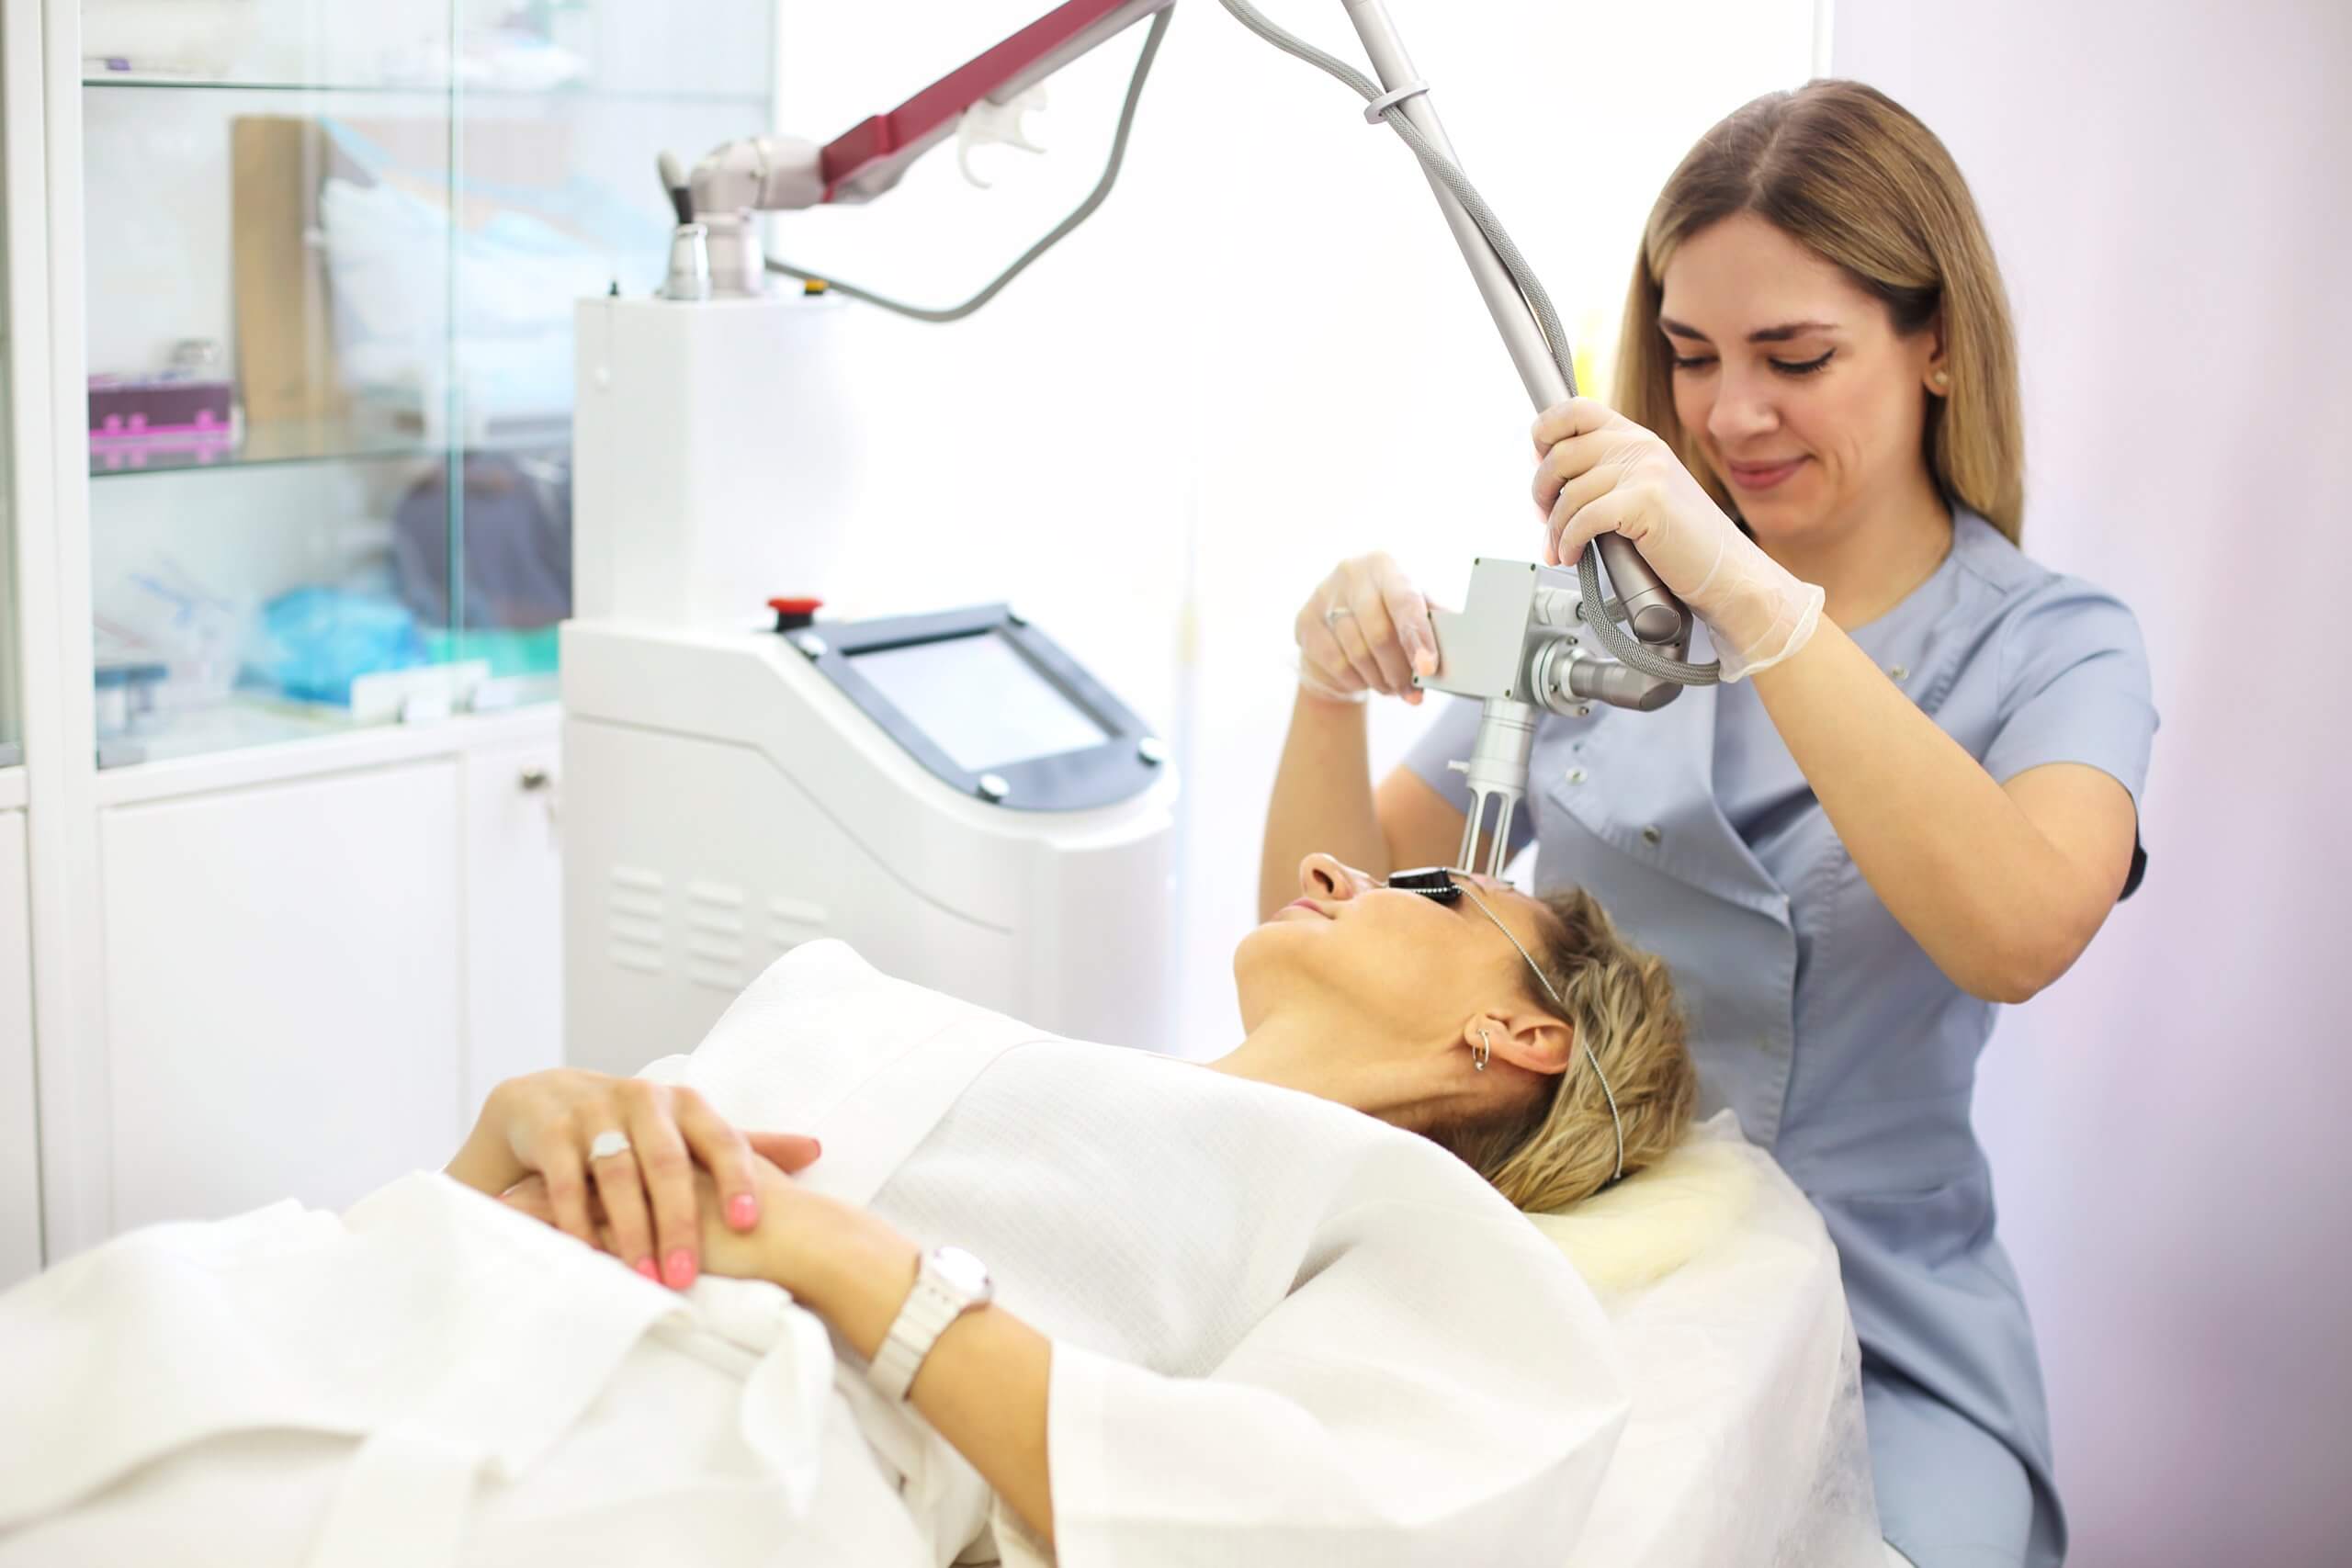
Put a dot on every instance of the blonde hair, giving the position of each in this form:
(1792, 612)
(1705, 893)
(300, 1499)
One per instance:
(1620, 1002)
(1852, 176)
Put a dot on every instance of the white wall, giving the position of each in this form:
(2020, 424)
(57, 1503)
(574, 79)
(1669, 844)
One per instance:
(1261, 355)
(2167, 190)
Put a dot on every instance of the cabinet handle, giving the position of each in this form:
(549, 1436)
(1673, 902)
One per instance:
(535, 779)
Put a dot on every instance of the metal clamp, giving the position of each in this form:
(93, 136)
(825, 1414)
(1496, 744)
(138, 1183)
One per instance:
(1496, 772)
(689, 276)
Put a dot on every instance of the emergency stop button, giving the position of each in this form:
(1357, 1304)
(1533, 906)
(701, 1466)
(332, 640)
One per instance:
(791, 615)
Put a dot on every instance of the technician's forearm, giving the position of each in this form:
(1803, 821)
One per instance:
(1992, 900)
(983, 1386)
(1322, 800)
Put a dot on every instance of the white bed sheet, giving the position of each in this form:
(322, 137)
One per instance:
(215, 1381)
(1746, 1443)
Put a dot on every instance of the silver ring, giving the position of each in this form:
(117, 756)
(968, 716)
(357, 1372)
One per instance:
(1331, 616)
(608, 1144)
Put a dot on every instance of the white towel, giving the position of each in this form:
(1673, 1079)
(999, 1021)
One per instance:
(430, 1378)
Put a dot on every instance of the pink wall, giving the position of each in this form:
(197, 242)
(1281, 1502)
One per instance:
(2169, 186)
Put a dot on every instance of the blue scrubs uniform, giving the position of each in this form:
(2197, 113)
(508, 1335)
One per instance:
(1818, 1018)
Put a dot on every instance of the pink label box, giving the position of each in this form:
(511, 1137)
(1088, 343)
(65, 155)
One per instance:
(160, 414)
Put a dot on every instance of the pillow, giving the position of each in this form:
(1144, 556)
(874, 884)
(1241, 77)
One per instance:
(1633, 1234)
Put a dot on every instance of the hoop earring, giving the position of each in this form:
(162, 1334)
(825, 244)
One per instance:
(1479, 1058)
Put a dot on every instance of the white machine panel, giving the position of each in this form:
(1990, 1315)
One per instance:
(950, 792)
(982, 703)
(713, 462)
(724, 802)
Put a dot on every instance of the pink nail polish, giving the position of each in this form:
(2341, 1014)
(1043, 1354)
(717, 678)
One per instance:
(742, 1212)
(645, 1267)
(680, 1271)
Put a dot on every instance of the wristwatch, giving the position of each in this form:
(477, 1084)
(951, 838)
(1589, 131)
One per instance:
(951, 1283)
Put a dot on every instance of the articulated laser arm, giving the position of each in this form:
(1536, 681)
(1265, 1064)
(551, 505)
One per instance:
(782, 173)
(1520, 642)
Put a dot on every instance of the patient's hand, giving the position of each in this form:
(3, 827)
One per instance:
(548, 1124)
(803, 1240)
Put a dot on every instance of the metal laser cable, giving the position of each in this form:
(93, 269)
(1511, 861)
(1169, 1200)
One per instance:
(1594, 611)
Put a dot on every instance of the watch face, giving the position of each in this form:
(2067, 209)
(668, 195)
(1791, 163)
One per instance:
(961, 1269)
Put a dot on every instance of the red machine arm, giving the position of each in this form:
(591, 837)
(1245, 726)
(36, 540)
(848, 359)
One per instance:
(868, 160)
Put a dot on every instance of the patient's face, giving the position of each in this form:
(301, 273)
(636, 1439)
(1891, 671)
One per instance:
(1397, 957)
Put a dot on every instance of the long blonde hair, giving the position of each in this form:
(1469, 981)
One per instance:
(1851, 175)
(1620, 1002)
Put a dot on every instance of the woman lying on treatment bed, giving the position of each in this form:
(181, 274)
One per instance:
(1262, 1310)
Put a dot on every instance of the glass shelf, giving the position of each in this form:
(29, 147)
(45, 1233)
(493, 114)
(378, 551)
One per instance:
(472, 46)
(287, 441)
(254, 718)
(353, 236)
(316, 441)
(234, 723)
(567, 93)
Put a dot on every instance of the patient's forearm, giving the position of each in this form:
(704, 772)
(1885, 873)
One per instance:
(983, 1387)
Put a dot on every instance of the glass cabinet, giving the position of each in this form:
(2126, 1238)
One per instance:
(12, 731)
(331, 256)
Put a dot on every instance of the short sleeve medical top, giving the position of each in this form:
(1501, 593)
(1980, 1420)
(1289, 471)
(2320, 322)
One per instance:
(1814, 1015)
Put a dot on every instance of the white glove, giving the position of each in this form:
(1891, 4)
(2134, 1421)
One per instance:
(1602, 473)
(1365, 628)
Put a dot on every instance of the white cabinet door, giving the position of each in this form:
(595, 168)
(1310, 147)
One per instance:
(514, 916)
(19, 1134)
(283, 990)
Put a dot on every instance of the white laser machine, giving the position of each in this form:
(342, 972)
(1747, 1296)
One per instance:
(951, 793)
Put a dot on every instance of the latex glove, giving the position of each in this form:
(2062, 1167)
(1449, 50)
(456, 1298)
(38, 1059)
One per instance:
(1365, 628)
(1598, 472)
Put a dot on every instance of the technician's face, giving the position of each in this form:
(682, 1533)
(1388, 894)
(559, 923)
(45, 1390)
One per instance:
(1791, 379)
(1399, 956)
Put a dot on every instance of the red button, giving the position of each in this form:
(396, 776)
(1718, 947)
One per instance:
(796, 606)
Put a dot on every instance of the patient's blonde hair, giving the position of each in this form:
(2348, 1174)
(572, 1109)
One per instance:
(1620, 1002)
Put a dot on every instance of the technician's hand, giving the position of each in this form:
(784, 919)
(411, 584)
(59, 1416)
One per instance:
(546, 1124)
(1365, 628)
(1598, 472)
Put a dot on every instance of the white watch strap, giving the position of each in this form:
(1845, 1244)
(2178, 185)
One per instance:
(929, 1307)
